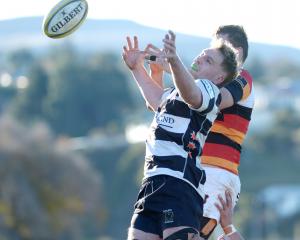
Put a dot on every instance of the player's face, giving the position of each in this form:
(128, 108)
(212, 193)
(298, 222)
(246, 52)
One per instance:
(208, 65)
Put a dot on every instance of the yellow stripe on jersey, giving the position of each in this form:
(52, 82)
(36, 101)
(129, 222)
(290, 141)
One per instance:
(246, 91)
(220, 162)
(231, 133)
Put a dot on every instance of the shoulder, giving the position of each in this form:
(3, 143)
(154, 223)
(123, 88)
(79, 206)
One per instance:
(246, 77)
(211, 96)
(208, 88)
(241, 87)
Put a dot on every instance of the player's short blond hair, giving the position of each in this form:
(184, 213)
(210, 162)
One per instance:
(229, 63)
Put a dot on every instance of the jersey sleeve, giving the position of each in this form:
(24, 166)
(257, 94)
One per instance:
(240, 87)
(211, 96)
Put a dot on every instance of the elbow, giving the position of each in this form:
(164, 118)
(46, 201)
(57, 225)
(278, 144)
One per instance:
(149, 107)
(153, 106)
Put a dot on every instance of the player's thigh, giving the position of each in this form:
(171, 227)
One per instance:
(217, 182)
(147, 214)
(181, 233)
(136, 234)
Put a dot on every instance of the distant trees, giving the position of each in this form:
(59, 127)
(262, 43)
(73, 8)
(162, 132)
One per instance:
(45, 193)
(19, 61)
(75, 93)
(29, 103)
(268, 72)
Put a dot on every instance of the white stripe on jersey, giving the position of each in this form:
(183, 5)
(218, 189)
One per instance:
(164, 148)
(201, 138)
(212, 115)
(170, 123)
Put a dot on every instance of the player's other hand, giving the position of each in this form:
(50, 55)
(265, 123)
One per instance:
(170, 46)
(159, 63)
(226, 209)
(132, 56)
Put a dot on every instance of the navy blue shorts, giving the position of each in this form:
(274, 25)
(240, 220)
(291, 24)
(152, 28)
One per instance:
(165, 202)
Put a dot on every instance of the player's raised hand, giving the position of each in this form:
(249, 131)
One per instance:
(170, 46)
(226, 209)
(155, 57)
(132, 56)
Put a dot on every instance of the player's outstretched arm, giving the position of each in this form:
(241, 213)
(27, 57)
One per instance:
(183, 80)
(134, 59)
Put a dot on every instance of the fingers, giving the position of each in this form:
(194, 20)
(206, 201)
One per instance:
(222, 201)
(135, 42)
(228, 199)
(172, 34)
(169, 48)
(152, 50)
(147, 48)
(123, 56)
(169, 43)
(219, 207)
(170, 37)
(154, 47)
(129, 43)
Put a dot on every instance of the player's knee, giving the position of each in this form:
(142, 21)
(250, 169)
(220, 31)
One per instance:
(207, 227)
(184, 234)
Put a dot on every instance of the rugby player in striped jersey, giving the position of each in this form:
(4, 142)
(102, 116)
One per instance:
(170, 201)
(221, 152)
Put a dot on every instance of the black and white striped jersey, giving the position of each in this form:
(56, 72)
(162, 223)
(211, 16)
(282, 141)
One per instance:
(177, 135)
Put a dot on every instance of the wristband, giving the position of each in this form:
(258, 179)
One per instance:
(229, 230)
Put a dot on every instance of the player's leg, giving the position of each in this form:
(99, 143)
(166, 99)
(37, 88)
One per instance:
(145, 222)
(181, 233)
(217, 182)
(135, 234)
(183, 211)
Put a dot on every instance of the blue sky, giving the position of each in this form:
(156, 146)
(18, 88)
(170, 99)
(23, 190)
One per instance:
(265, 21)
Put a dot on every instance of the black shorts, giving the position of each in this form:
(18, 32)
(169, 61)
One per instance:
(165, 202)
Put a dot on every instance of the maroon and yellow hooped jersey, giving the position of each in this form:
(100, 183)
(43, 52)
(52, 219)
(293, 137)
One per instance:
(223, 144)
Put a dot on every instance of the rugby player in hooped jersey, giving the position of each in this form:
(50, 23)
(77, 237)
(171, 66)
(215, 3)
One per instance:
(221, 152)
(170, 201)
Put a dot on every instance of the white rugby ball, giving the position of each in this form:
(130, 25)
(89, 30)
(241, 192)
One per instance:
(65, 17)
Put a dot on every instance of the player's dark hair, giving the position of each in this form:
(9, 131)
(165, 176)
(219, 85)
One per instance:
(236, 35)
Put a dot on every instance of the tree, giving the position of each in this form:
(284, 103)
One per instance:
(19, 61)
(75, 93)
(86, 94)
(45, 193)
(29, 103)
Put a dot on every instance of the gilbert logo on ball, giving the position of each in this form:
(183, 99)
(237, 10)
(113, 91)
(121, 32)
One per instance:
(64, 18)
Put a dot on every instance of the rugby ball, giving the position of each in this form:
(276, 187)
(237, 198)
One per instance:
(64, 18)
